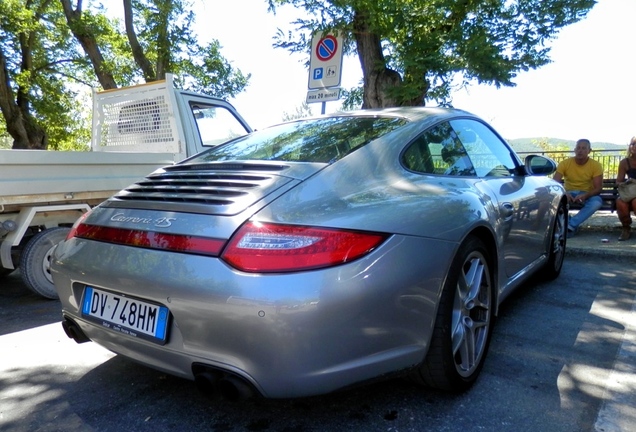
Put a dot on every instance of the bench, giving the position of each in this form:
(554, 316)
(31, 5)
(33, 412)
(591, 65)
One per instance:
(609, 193)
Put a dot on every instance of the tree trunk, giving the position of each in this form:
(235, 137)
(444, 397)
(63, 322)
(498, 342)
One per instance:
(137, 50)
(376, 76)
(89, 44)
(381, 82)
(26, 133)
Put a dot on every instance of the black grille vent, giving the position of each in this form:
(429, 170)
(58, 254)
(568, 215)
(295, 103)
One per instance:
(196, 187)
(214, 188)
(220, 184)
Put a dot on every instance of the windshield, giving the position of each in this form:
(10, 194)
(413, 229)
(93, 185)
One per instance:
(313, 140)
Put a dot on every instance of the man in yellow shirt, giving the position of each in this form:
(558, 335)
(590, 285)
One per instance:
(583, 178)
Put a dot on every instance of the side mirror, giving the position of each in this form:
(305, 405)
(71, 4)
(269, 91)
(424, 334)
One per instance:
(537, 165)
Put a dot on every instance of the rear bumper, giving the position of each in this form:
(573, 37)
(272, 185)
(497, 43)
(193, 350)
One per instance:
(289, 335)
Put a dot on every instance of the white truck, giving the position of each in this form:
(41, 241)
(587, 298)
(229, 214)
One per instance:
(135, 131)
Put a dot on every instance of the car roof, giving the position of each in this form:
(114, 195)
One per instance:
(412, 113)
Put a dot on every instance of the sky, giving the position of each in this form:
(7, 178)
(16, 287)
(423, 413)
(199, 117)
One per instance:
(586, 92)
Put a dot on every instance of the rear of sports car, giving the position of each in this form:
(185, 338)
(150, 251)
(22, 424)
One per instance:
(223, 270)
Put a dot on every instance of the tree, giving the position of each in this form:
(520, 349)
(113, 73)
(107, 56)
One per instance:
(53, 51)
(160, 32)
(412, 51)
(36, 50)
(96, 34)
(159, 40)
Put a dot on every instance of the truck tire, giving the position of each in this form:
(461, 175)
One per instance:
(35, 264)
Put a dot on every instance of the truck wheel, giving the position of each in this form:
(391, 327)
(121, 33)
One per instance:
(35, 264)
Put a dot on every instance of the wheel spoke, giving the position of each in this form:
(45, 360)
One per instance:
(474, 278)
(559, 233)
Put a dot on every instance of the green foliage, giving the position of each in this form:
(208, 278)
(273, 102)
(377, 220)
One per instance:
(161, 26)
(439, 45)
(352, 98)
(553, 151)
(302, 111)
(113, 45)
(205, 70)
(164, 28)
(41, 60)
(74, 134)
(609, 161)
(5, 141)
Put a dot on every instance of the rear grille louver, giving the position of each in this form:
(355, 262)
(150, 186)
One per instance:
(193, 187)
(218, 189)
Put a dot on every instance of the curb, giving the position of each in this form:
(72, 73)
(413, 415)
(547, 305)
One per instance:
(578, 252)
(590, 243)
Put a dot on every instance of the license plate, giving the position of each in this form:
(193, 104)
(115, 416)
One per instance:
(126, 315)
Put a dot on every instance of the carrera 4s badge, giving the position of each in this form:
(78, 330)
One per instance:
(162, 222)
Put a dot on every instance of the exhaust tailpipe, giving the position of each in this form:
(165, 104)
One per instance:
(207, 381)
(235, 389)
(212, 381)
(74, 331)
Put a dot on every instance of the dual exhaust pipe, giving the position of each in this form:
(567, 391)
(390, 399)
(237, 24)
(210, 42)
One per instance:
(209, 380)
(212, 381)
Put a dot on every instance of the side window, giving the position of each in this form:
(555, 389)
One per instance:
(216, 124)
(489, 154)
(417, 156)
(438, 151)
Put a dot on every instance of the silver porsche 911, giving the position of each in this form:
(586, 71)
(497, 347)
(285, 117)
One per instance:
(317, 254)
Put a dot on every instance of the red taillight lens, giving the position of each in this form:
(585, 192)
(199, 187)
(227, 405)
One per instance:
(150, 239)
(77, 223)
(262, 248)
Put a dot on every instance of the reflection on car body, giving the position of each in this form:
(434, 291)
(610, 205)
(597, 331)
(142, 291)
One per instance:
(320, 253)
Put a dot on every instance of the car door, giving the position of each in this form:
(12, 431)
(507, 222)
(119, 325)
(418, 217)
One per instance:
(521, 201)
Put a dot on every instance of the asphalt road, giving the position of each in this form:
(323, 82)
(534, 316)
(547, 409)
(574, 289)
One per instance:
(563, 358)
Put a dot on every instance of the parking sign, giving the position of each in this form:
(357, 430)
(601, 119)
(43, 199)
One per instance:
(325, 64)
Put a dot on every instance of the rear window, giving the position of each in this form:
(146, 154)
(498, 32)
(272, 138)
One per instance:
(313, 140)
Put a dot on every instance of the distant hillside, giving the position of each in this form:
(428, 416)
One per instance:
(528, 144)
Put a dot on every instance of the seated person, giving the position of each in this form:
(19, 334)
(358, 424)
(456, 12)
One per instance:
(583, 178)
(626, 170)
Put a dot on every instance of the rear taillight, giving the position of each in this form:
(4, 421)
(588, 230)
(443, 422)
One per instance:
(77, 223)
(150, 239)
(262, 247)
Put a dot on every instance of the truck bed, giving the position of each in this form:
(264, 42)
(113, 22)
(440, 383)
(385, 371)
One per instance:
(38, 177)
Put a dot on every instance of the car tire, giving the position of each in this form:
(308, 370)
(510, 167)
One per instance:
(464, 322)
(35, 263)
(558, 240)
